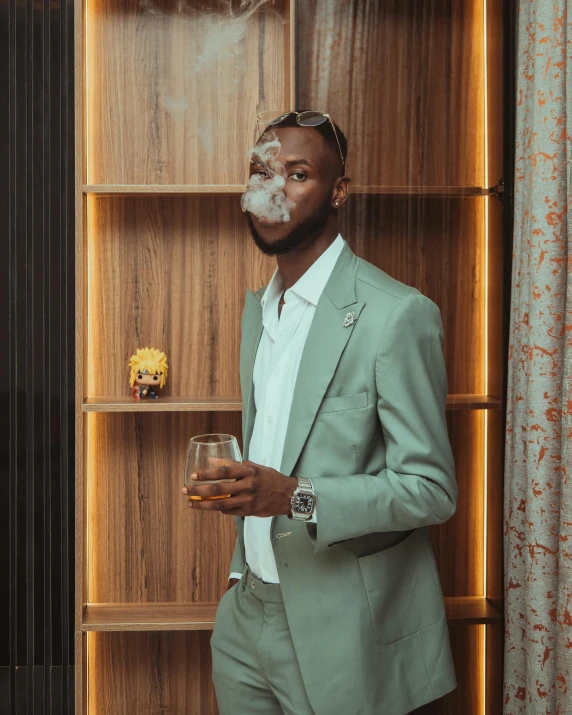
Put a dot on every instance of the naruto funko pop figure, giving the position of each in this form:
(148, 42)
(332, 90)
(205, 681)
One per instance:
(148, 372)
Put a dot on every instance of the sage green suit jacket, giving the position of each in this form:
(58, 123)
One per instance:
(367, 424)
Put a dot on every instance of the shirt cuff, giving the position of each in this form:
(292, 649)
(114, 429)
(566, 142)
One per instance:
(235, 574)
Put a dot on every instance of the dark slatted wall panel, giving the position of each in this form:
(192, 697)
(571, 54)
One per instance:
(37, 356)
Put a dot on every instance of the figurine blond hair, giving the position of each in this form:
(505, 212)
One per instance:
(148, 371)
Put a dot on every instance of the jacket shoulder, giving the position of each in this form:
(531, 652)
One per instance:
(389, 287)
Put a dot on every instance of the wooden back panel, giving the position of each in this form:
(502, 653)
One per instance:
(404, 80)
(172, 95)
(172, 273)
(144, 543)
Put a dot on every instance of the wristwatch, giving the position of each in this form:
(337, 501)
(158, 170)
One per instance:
(303, 501)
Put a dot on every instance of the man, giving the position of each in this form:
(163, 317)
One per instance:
(343, 384)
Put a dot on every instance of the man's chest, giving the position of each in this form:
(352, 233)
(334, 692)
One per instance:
(278, 356)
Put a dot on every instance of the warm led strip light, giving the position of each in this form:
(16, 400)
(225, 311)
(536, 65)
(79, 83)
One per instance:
(87, 421)
(486, 350)
(85, 96)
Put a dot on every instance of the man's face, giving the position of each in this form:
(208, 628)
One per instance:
(311, 172)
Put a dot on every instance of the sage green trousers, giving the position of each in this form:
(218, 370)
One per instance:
(254, 666)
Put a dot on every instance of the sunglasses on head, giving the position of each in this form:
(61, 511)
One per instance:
(309, 118)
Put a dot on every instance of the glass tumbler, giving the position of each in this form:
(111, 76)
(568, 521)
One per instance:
(206, 451)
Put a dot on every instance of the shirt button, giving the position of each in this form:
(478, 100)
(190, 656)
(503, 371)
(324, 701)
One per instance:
(270, 418)
(275, 373)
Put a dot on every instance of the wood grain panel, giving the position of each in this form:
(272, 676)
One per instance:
(404, 80)
(159, 243)
(495, 503)
(172, 92)
(151, 673)
(171, 673)
(165, 189)
(466, 192)
(495, 291)
(220, 404)
(458, 543)
(201, 616)
(494, 669)
(144, 543)
(436, 246)
(495, 90)
(169, 273)
(497, 367)
(464, 610)
(149, 616)
(163, 404)
(473, 402)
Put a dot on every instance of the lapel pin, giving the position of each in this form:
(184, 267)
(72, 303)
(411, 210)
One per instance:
(350, 319)
(286, 533)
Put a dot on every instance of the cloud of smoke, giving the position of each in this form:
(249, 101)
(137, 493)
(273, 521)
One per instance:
(265, 196)
(214, 53)
(222, 35)
(216, 39)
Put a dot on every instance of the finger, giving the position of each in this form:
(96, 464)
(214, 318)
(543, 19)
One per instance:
(237, 511)
(227, 471)
(216, 504)
(241, 505)
(219, 488)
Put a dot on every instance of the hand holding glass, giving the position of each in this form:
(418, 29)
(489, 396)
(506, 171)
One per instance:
(206, 451)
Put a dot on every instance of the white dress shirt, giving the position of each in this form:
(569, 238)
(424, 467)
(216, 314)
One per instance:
(274, 376)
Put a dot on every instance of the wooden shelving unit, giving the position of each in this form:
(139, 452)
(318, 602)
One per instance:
(221, 404)
(164, 259)
(164, 404)
(201, 616)
(469, 192)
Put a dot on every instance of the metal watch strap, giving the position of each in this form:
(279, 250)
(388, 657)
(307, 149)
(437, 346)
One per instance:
(304, 484)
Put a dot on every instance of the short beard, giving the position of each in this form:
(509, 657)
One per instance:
(306, 232)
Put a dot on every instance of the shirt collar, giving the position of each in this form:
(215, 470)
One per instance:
(310, 285)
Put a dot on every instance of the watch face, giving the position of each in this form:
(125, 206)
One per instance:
(304, 503)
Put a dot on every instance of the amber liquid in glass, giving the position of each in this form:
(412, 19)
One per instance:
(210, 450)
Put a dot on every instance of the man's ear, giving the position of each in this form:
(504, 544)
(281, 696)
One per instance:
(341, 191)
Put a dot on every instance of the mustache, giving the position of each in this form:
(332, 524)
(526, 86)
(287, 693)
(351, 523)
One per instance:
(306, 232)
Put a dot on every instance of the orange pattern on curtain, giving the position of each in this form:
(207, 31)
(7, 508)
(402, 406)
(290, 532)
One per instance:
(538, 464)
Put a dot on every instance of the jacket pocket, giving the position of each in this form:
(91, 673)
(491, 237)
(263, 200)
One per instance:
(343, 402)
(402, 590)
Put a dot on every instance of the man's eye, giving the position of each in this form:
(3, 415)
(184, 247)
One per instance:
(155, 377)
(259, 173)
(140, 377)
(298, 176)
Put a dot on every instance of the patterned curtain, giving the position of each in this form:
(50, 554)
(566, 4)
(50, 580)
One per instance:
(538, 466)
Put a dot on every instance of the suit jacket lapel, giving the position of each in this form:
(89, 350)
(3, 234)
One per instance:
(324, 346)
